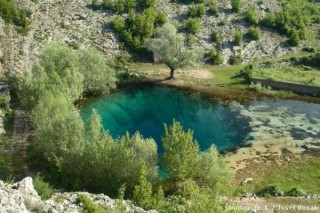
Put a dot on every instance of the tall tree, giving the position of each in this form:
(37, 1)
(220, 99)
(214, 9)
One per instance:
(170, 47)
(126, 157)
(99, 77)
(212, 170)
(57, 70)
(181, 152)
(142, 194)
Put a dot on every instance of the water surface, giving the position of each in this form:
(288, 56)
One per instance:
(147, 108)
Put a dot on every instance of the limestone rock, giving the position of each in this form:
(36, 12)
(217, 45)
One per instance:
(21, 197)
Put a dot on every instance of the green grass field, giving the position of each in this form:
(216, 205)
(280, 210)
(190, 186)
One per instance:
(294, 74)
(302, 174)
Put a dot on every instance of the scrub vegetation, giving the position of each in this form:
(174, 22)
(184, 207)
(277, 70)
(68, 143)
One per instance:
(68, 146)
(78, 155)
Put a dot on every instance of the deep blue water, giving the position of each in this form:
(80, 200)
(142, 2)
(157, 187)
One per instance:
(146, 109)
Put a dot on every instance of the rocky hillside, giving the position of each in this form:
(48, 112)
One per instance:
(21, 197)
(76, 23)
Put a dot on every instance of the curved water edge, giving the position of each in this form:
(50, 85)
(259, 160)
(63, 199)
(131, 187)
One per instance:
(231, 122)
(228, 124)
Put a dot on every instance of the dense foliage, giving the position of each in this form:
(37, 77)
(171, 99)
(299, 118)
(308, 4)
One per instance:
(214, 56)
(238, 38)
(215, 36)
(213, 7)
(44, 189)
(83, 156)
(311, 60)
(235, 59)
(12, 15)
(254, 33)
(236, 5)
(71, 72)
(195, 11)
(192, 25)
(247, 73)
(138, 26)
(170, 47)
(293, 19)
(180, 152)
(251, 16)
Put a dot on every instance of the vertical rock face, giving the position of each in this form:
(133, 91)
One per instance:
(21, 197)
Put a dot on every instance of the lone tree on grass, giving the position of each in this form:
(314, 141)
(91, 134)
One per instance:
(171, 48)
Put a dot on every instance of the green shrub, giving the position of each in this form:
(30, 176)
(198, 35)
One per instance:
(118, 23)
(251, 16)
(312, 60)
(192, 25)
(34, 207)
(295, 16)
(235, 59)
(236, 5)
(254, 33)
(120, 6)
(256, 87)
(161, 19)
(146, 3)
(138, 27)
(294, 39)
(88, 205)
(12, 15)
(107, 4)
(44, 189)
(195, 11)
(238, 38)
(270, 191)
(214, 56)
(191, 39)
(247, 72)
(4, 100)
(94, 4)
(223, 22)
(213, 7)
(215, 36)
(295, 192)
(191, 1)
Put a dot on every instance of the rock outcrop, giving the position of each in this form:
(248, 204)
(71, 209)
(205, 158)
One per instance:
(76, 23)
(21, 197)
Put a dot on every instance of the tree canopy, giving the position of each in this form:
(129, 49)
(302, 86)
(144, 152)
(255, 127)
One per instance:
(180, 152)
(72, 72)
(171, 48)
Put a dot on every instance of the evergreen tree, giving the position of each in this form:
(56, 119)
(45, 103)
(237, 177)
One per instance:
(142, 194)
(180, 152)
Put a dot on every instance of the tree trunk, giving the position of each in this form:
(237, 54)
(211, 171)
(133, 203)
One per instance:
(171, 73)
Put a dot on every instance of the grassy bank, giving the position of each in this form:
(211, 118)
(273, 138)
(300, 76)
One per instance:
(226, 82)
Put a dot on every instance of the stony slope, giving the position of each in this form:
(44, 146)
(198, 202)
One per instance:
(21, 197)
(74, 22)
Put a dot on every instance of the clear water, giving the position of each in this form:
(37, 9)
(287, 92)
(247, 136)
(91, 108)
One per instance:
(146, 109)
